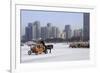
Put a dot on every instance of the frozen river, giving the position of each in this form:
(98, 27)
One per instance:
(60, 52)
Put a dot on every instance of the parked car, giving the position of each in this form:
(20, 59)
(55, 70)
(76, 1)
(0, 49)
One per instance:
(79, 45)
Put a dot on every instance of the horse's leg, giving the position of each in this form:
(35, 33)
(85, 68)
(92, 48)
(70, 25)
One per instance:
(50, 51)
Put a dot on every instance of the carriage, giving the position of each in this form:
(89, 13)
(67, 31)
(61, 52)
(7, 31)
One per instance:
(40, 48)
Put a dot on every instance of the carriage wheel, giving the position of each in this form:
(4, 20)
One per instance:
(29, 52)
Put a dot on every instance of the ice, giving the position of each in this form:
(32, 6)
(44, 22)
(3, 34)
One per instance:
(60, 52)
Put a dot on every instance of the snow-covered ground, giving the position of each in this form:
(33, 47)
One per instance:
(60, 52)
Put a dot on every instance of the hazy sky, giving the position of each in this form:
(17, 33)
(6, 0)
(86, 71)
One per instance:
(58, 19)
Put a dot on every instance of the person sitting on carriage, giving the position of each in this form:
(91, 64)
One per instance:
(47, 47)
(43, 43)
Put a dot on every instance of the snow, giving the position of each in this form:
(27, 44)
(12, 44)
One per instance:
(60, 52)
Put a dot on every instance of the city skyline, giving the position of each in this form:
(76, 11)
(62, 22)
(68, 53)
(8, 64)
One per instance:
(58, 19)
(35, 32)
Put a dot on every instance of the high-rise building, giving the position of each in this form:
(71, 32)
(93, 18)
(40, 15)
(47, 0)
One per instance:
(86, 26)
(67, 31)
(53, 32)
(43, 33)
(78, 33)
(49, 29)
(36, 30)
(49, 32)
(28, 32)
(57, 32)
